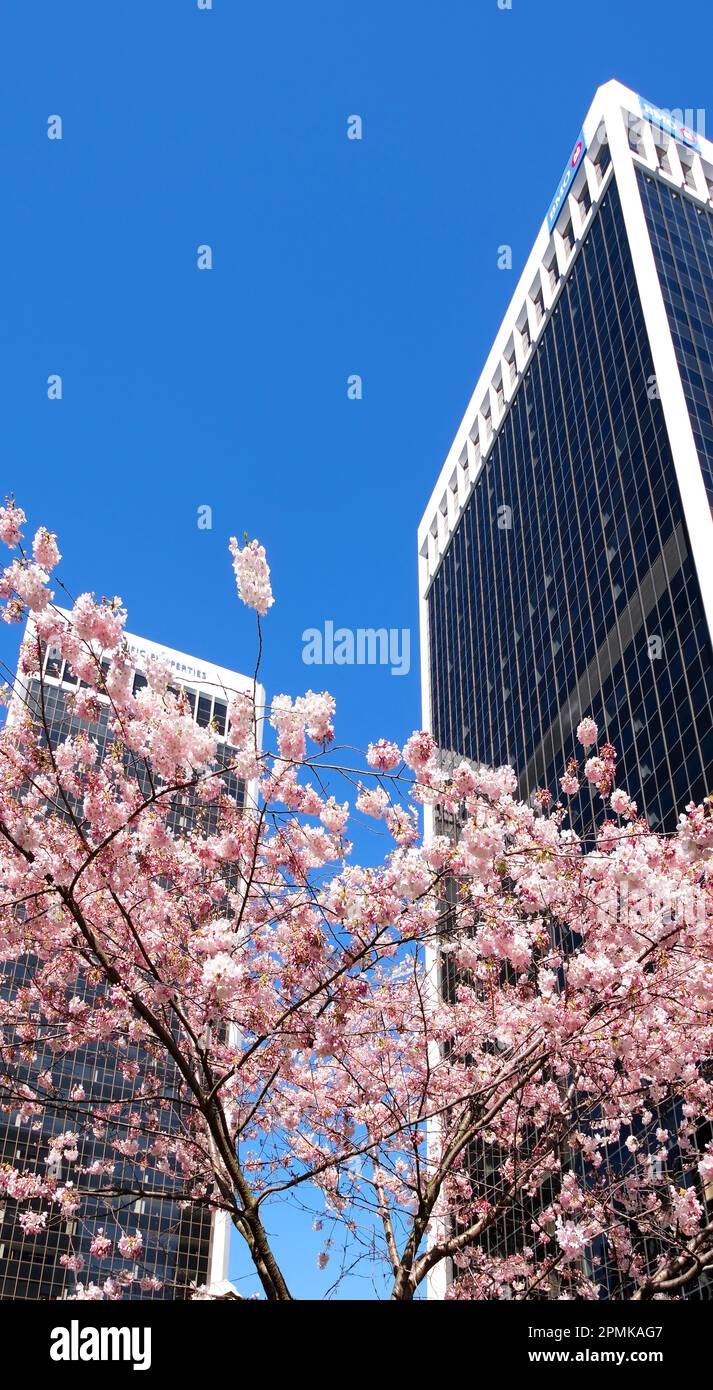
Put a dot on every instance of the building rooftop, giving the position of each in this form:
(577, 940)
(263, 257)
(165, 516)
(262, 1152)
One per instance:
(657, 140)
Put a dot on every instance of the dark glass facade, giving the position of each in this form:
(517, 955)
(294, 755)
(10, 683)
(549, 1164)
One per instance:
(568, 587)
(176, 1240)
(681, 234)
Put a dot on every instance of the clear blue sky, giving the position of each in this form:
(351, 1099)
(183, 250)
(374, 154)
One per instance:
(331, 257)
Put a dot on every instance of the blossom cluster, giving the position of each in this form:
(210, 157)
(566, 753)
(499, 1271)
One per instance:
(491, 1019)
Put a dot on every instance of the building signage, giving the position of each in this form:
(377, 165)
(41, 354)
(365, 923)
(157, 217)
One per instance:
(182, 667)
(666, 120)
(565, 182)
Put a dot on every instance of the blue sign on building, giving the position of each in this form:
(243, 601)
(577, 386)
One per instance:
(667, 121)
(571, 168)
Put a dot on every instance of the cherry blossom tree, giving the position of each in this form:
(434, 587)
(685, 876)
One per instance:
(492, 1049)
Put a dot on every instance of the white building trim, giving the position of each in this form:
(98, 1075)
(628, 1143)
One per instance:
(694, 498)
(219, 1248)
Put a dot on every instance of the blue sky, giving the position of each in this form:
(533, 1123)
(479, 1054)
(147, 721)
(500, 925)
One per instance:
(228, 388)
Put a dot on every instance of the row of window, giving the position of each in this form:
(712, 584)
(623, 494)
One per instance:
(207, 709)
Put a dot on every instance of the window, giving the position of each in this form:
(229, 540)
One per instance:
(568, 238)
(661, 144)
(687, 168)
(53, 663)
(585, 201)
(635, 134)
(602, 159)
(220, 715)
(203, 716)
(708, 178)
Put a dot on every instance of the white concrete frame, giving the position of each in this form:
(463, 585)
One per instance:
(614, 112)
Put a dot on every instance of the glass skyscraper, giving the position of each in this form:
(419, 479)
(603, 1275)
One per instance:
(566, 553)
(183, 1244)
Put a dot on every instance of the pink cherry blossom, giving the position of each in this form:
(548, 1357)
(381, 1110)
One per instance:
(686, 1210)
(12, 518)
(274, 1009)
(587, 732)
(28, 582)
(419, 750)
(252, 574)
(241, 718)
(595, 771)
(572, 1239)
(333, 816)
(372, 801)
(44, 549)
(221, 975)
(100, 1245)
(131, 1247)
(318, 711)
(75, 1263)
(705, 1166)
(32, 1222)
(622, 804)
(384, 756)
(100, 622)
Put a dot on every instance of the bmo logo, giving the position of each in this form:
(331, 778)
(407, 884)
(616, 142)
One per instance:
(672, 122)
(573, 164)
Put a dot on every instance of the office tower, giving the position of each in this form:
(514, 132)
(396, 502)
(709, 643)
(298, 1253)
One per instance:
(182, 1246)
(566, 552)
